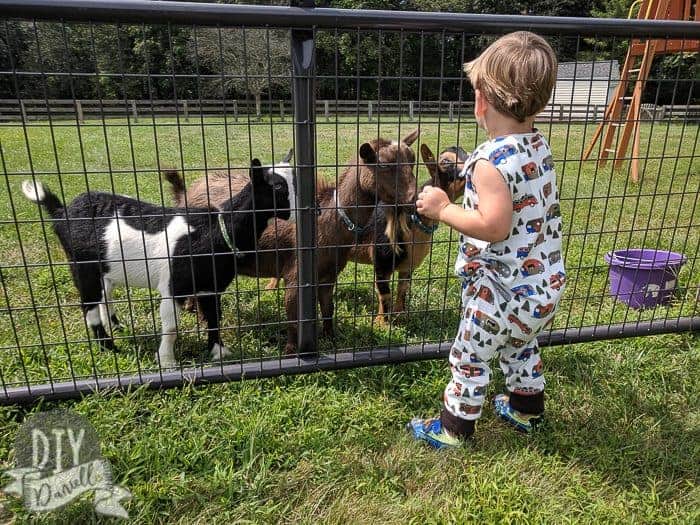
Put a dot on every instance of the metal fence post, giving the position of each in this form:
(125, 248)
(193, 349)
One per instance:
(304, 98)
(79, 111)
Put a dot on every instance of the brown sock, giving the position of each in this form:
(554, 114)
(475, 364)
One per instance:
(456, 426)
(533, 404)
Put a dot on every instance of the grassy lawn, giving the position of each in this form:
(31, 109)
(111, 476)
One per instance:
(621, 445)
(622, 439)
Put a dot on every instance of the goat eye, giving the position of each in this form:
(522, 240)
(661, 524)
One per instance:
(277, 187)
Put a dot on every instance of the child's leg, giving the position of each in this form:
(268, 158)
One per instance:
(464, 394)
(481, 332)
(524, 380)
(524, 403)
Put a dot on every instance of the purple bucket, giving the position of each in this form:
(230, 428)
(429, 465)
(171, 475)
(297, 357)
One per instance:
(644, 277)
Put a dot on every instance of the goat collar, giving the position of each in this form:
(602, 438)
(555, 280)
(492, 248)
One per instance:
(351, 226)
(222, 225)
(415, 219)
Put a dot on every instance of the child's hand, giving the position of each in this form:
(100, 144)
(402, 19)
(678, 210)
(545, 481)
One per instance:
(431, 202)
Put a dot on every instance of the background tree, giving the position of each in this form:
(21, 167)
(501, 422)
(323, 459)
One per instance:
(673, 79)
(243, 61)
(167, 61)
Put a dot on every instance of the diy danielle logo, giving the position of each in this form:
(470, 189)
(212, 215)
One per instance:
(58, 458)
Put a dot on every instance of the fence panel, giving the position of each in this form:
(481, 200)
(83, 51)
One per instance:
(87, 106)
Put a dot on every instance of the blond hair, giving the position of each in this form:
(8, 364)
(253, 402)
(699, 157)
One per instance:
(516, 74)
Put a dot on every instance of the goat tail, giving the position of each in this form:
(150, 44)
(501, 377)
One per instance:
(35, 191)
(396, 229)
(177, 183)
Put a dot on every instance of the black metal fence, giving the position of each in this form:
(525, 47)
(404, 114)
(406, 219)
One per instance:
(117, 52)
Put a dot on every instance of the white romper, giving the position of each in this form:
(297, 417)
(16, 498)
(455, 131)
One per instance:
(510, 288)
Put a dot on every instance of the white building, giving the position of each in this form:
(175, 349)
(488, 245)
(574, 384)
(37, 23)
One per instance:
(586, 83)
(582, 91)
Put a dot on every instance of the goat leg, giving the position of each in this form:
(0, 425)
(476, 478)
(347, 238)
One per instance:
(107, 314)
(210, 308)
(325, 299)
(402, 289)
(290, 304)
(168, 319)
(94, 321)
(383, 289)
(103, 339)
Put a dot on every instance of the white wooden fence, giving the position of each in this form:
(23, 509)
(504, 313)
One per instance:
(81, 110)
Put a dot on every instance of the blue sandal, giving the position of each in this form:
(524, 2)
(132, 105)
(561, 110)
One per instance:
(432, 432)
(521, 421)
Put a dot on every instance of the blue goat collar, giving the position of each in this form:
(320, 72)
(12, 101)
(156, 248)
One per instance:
(415, 219)
(351, 226)
(227, 238)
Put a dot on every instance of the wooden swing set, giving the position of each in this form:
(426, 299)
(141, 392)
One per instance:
(633, 77)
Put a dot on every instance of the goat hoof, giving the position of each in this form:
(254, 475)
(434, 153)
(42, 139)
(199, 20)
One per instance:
(115, 325)
(399, 316)
(167, 364)
(220, 353)
(381, 321)
(291, 350)
(108, 346)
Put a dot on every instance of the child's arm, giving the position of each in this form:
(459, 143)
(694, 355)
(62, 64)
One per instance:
(491, 222)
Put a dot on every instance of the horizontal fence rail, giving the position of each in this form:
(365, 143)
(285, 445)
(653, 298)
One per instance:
(291, 366)
(141, 11)
(142, 99)
(80, 110)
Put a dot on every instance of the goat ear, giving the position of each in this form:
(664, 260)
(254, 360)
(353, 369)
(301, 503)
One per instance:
(368, 154)
(257, 174)
(411, 137)
(429, 161)
(288, 156)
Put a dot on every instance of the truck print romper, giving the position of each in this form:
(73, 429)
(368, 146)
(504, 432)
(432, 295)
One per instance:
(511, 288)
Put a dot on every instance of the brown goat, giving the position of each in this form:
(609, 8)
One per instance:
(218, 186)
(411, 239)
(414, 237)
(383, 171)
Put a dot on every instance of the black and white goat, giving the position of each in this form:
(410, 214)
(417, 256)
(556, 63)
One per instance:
(116, 240)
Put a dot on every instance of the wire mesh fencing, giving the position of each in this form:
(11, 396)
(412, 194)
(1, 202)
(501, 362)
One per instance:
(158, 112)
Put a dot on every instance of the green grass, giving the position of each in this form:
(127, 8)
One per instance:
(622, 438)
(621, 445)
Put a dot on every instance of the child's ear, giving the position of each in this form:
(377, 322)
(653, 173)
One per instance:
(479, 103)
(482, 102)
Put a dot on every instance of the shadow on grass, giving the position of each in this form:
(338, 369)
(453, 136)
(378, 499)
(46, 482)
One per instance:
(607, 409)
